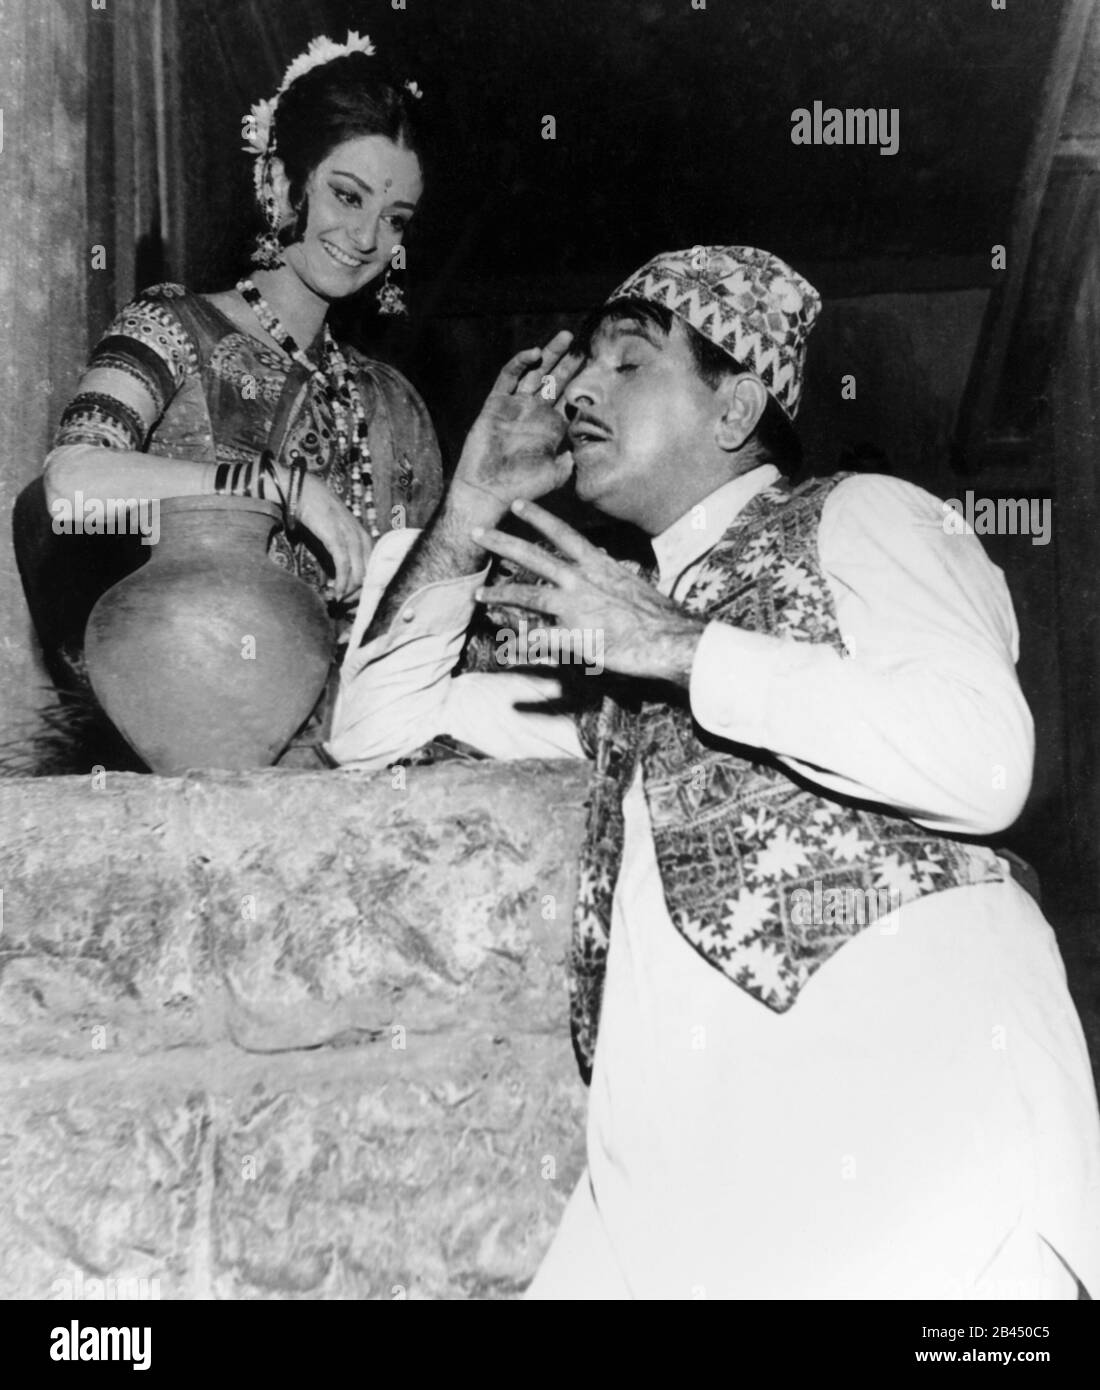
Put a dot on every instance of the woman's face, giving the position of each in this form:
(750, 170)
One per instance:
(361, 197)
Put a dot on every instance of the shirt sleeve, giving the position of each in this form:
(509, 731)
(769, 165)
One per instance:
(134, 371)
(398, 691)
(923, 712)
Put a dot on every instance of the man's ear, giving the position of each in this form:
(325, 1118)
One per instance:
(741, 400)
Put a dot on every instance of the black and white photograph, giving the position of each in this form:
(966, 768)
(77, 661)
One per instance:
(549, 662)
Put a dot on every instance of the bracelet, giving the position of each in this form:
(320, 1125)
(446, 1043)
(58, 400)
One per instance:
(294, 491)
(234, 480)
(268, 482)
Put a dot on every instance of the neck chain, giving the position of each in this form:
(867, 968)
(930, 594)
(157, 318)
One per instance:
(339, 387)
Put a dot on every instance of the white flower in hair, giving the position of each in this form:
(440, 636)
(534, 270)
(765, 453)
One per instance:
(323, 50)
(257, 127)
(259, 176)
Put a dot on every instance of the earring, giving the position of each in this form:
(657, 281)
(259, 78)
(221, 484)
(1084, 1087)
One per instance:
(268, 252)
(391, 297)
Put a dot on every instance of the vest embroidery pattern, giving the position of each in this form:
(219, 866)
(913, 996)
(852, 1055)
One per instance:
(745, 849)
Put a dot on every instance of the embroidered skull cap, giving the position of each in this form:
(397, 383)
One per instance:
(745, 301)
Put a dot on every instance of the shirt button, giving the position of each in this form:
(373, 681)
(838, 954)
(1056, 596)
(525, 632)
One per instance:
(408, 615)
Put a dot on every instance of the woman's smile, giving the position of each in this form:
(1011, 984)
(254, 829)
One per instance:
(343, 257)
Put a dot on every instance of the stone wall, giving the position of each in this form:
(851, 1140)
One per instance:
(287, 1034)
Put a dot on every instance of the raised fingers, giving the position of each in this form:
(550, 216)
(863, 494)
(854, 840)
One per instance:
(571, 543)
(537, 560)
(540, 598)
(563, 373)
(551, 357)
(515, 369)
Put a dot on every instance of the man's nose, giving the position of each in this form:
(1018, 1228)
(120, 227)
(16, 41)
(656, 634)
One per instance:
(582, 390)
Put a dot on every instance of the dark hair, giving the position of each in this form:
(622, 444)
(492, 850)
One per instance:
(775, 437)
(341, 100)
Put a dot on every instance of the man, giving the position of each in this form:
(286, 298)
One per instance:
(836, 1056)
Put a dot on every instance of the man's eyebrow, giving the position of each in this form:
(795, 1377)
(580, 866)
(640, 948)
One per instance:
(631, 328)
(347, 174)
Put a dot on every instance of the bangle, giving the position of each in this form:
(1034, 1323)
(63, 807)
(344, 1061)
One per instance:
(294, 490)
(269, 483)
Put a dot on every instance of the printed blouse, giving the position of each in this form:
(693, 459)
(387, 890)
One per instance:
(174, 376)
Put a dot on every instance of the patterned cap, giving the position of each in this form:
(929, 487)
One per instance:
(747, 302)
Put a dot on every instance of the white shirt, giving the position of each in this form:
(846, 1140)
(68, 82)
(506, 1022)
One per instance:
(700, 1095)
(926, 716)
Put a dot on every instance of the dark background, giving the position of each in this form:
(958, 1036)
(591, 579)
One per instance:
(672, 128)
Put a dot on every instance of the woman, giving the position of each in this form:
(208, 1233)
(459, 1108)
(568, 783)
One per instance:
(245, 391)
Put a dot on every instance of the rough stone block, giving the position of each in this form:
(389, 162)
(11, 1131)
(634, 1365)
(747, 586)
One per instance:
(440, 1172)
(100, 916)
(99, 1183)
(287, 1034)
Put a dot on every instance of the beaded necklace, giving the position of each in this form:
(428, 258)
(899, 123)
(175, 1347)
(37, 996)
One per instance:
(337, 383)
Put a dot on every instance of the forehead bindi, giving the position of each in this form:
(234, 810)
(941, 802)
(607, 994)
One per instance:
(376, 165)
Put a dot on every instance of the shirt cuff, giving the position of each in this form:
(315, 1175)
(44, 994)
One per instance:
(394, 688)
(442, 609)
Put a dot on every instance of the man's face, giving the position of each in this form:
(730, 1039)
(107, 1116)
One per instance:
(641, 424)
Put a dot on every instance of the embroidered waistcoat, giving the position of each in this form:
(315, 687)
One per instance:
(748, 852)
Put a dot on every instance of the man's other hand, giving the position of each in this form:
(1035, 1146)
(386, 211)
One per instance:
(639, 631)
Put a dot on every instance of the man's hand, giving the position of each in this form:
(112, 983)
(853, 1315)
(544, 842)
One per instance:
(641, 632)
(512, 449)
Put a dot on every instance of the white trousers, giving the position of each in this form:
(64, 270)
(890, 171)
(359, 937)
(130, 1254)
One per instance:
(922, 1124)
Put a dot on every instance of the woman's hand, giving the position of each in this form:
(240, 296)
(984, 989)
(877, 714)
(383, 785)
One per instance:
(328, 520)
(512, 449)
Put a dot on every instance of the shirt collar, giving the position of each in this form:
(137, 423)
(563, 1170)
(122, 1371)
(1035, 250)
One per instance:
(701, 528)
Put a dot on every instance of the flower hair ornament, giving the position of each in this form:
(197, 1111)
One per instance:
(257, 131)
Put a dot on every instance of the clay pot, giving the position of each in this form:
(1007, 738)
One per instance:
(209, 655)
